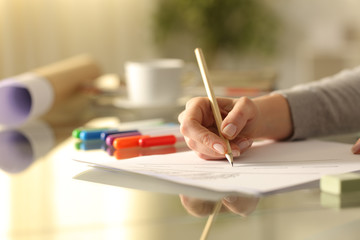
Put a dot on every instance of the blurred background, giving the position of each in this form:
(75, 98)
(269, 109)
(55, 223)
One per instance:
(299, 41)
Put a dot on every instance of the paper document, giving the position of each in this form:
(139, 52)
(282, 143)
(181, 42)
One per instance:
(266, 168)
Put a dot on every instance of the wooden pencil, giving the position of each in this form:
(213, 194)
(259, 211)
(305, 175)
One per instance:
(210, 220)
(215, 107)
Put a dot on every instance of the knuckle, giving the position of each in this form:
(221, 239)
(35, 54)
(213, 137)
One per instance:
(244, 106)
(205, 138)
(245, 99)
(184, 129)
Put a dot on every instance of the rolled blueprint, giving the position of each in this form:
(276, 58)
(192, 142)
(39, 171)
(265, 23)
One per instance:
(34, 93)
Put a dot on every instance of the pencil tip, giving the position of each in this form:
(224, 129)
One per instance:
(229, 157)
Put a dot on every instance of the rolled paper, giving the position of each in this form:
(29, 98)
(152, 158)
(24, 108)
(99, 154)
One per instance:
(20, 147)
(32, 94)
(24, 97)
(69, 75)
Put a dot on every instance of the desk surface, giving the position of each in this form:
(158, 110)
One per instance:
(40, 199)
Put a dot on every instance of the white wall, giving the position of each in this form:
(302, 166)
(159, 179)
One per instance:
(36, 32)
(317, 42)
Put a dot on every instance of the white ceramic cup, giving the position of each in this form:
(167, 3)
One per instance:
(155, 82)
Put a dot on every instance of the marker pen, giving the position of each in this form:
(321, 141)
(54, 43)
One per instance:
(86, 134)
(100, 133)
(105, 134)
(92, 134)
(145, 141)
(128, 142)
(157, 141)
(111, 138)
(76, 132)
(174, 130)
(126, 153)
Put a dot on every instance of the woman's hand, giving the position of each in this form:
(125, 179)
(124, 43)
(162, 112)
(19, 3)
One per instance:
(241, 205)
(243, 120)
(199, 128)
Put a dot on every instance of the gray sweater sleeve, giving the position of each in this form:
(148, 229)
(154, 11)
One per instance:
(325, 107)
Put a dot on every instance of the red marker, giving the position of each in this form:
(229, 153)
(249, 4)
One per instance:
(128, 142)
(157, 141)
(144, 141)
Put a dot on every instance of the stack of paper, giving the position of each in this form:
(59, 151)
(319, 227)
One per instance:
(268, 167)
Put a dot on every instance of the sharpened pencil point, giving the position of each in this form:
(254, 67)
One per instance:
(229, 157)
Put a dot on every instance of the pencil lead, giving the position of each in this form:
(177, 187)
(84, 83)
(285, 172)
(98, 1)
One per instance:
(229, 157)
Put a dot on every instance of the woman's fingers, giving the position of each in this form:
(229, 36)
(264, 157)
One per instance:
(241, 117)
(198, 126)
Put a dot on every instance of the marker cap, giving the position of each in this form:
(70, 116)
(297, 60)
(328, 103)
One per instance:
(128, 142)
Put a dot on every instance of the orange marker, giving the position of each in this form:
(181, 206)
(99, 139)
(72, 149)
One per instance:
(157, 141)
(128, 142)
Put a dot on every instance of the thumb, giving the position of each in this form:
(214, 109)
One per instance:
(242, 113)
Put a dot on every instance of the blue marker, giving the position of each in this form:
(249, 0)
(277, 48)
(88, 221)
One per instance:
(91, 134)
(76, 132)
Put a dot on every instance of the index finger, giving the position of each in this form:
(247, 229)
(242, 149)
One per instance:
(197, 120)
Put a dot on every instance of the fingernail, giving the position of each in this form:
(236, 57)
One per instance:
(230, 130)
(235, 153)
(245, 144)
(219, 148)
(356, 148)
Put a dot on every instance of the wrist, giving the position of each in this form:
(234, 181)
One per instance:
(275, 117)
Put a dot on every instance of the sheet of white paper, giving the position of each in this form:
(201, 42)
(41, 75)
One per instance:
(146, 183)
(268, 167)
